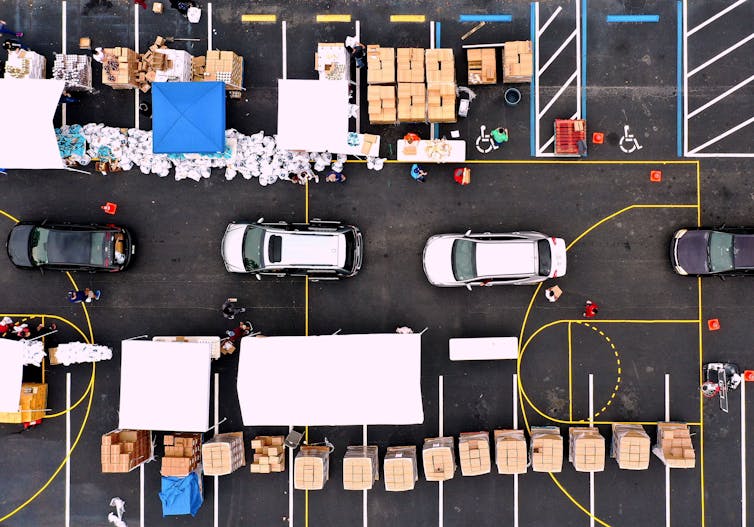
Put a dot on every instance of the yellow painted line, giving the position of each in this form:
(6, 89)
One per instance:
(83, 305)
(570, 373)
(408, 18)
(259, 18)
(333, 18)
(701, 400)
(545, 162)
(698, 196)
(11, 218)
(306, 508)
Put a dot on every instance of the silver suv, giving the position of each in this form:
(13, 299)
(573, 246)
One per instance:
(322, 250)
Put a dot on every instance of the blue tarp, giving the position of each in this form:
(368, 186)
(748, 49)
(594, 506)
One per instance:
(181, 495)
(188, 117)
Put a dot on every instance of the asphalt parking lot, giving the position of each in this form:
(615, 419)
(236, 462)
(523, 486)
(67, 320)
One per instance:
(651, 327)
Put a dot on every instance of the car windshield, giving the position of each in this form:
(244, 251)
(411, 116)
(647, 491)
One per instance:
(720, 252)
(38, 245)
(463, 260)
(75, 247)
(252, 248)
(545, 257)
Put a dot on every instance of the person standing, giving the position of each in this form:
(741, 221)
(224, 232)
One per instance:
(590, 309)
(499, 135)
(229, 309)
(5, 31)
(418, 173)
(335, 177)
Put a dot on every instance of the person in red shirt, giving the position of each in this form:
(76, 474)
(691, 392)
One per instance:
(590, 309)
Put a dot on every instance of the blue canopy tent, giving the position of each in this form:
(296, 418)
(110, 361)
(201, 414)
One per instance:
(188, 117)
(181, 495)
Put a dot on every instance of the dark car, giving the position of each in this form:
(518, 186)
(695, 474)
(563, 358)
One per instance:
(701, 252)
(70, 247)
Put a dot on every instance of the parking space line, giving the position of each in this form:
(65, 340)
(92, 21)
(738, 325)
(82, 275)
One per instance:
(700, 380)
(333, 18)
(721, 96)
(290, 482)
(136, 49)
(64, 50)
(365, 519)
(408, 18)
(209, 26)
(558, 94)
(720, 55)
(485, 18)
(581, 20)
(743, 455)
(570, 372)
(667, 468)
(549, 21)
(284, 36)
(558, 52)
(358, 79)
(591, 473)
(67, 449)
(634, 19)
(679, 77)
(723, 136)
(441, 429)
(715, 17)
(259, 18)
(216, 497)
(142, 477)
(515, 427)
(684, 14)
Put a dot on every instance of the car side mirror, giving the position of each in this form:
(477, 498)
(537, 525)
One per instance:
(258, 277)
(467, 232)
(260, 220)
(468, 286)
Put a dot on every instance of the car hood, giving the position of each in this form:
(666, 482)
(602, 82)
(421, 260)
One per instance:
(18, 245)
(232, 247)
(437, 260)
(558, 250)
(691, 252)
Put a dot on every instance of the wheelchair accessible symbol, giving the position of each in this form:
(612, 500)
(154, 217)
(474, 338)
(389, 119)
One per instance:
(628, 142)
(484, 142)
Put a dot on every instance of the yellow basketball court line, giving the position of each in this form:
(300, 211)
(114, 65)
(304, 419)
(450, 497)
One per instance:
(259, 18)
(333, 18)
(408, 18)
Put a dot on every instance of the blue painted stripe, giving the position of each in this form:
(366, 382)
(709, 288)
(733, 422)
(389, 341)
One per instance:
(679, 78)
(633, 18)
(485, 18)
(532, 122)
(583, 59)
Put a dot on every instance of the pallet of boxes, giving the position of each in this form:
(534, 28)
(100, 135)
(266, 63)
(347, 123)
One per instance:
(227, 67)
(312, 468)
(32, 404)
(546, 449)
(510, 451)
(438, 457)
(474, 453)
(412, 92)
(223, 454)
(381, 105)
(124, 450)
(269, 454)
(183, 453)
(482, 66)
(517, 62)
(674, 446)
(401, 469)
(630, 447)
(360, 468)
(119, 68)
(586, 449)
(441, 86)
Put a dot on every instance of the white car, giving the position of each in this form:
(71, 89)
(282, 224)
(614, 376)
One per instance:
(515, 258)
(322, 250)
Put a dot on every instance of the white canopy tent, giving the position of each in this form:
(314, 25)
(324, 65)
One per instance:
(372, 379)
(313, 115)
(165, 385)
(11, 374)
(28, 138)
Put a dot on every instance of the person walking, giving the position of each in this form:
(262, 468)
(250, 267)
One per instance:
(499, 135)
(5, 31)
(243, 330)
(230, 310)
(590, 309)
(76, 297)
(335, 177)
(418, 173)
(357, 50)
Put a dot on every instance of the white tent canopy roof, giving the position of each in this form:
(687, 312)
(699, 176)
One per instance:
(11, 374)
(28, 137)
(313, 115)
(164, 386)
(331, 380)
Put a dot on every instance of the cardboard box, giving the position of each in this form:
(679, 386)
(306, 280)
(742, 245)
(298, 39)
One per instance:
(438, 457)
(474, 453)
(85, 43)
(546, 449)
(400, 468)
(360, 467)
(630, 447)
(674, 447)
(312, 467)
(410, 65)
(32, 404)
(510, 451)
(223, 454)
(124, 450)
(440, 65)
(517, 62)
(482, 66)
(380, 65)
(268, 455)
(183, 456)
(441, 102)
(586, 449)
(412, 102)
(157, 8)
(381, 104)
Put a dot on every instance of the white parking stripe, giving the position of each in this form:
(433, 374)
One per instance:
(559, 51)
(217, 431)
(558, 94)
(284, 29)
(441, 428)
(667, 468)
(720, 55)
(515, 427)
(591, 474)
(722, 136)
(743, 455)
(136, 49)
(432, 46)
(358, 86)
(68, 449)
(365, 520)
(721, 96)
(549, 21)
(209, 26)
(712, 19)
(141, 490)
(290, 483)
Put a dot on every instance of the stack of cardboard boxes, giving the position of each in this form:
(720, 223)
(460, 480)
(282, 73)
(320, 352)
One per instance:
(269, 454)
(546, 449)
(474, 453)
(438, 456)
(381, 100)
(630, 447)
(360, 468)
(482, 66)
(182, 454)
(517, 61)
(410, 65)
(401, 470)
(119, 68)
(32, 404)
(510, 451)
(441, 85)
(412, 103)
(224, 66)
(223, 454)
(123, 68)
(674, 446)
(312, 469)
(124, 450)
(25, 64)
(586, 449)
(380, 65)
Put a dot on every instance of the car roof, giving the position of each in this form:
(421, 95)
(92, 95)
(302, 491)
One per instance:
(506, 258)
(308, 248)
(743, 251)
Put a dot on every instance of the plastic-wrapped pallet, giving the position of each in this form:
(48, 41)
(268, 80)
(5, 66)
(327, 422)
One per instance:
(438, 457)
(33, 352)
(586, 449)
(474, 453)
(674, 446)
(360, 467)
(312, 468)
(510, 451)
(546, 449)
(630, 446)
(183, 453)
(75, 70)
(79, 352)
(223, 454)
(25, 64)
(401, 469)
(180, 66)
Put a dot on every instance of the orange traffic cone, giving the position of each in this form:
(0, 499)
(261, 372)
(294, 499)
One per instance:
(749, 375)
(109, 208)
